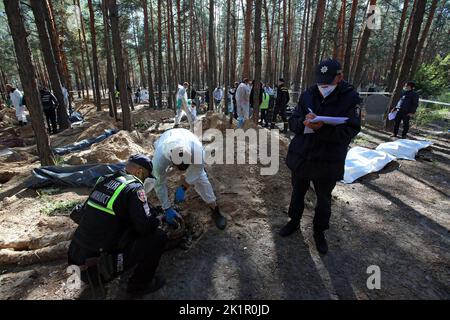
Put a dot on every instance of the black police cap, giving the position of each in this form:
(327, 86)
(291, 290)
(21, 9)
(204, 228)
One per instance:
(143, 161)
(327, 70)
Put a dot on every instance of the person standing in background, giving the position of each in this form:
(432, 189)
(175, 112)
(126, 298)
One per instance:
(16, 98)
(218, 95)
(49, 104)
(406, 108)
(243, 101)
(281, 102)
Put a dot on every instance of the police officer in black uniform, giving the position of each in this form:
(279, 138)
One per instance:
(317, 152)
(281, 103)
(117, 222)
(49, 104)
(406, 108)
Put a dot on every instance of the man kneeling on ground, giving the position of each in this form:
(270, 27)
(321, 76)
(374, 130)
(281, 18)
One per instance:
(117, 222)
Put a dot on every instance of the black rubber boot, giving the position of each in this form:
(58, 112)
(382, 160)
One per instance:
(289, 228)
(218, 218)
(138, 289)
(321, 242)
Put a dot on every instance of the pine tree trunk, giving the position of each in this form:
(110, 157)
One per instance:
(120, 72)
(109, 65)
(362, 51)
(258, 61)
(180, 44)
(47, 50)
(298, 71)
(176, 68)
(312, 56)
(94, 56)
(418, 54)
(419, 13)
(54, 38)
(88, 59)
(268, 71)
(151, 102)
(211, 54)
(348, 47)
(160, 57)
(247, 33)
(27, 76)
(392, 71)
(170, 71)
(308, 15)
(226, 60)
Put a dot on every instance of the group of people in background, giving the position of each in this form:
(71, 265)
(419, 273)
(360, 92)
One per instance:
(273, 102)
(49, 105)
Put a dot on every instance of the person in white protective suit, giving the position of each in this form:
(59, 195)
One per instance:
(182, 106)
(17, 101)
(243, 101)
(181, 149)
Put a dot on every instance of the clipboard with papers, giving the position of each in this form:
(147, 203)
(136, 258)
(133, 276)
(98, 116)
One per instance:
(334, 121)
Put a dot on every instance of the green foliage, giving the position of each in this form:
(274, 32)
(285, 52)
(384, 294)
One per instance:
(428, 114)
(59, 207)
(433, 80)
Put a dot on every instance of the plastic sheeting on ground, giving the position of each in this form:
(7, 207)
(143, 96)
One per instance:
(361, 161)
(70, 176)
(404, 148)
(76, 117)
(84, 144)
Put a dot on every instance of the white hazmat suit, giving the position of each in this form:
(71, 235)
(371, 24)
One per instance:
(167, 153)
(183, 108)
(16, 100)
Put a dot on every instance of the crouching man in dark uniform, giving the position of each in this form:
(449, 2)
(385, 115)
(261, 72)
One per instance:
(117, 230)
(318, 151)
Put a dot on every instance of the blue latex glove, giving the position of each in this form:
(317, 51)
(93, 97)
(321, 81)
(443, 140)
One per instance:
(171, 215)
(180, 195)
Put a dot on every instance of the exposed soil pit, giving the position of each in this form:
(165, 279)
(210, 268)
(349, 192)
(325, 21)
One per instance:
(117, 148)
(5, 176)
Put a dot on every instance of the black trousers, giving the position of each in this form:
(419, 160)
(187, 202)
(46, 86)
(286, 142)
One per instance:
(401, 116)
(279, 111)
(323, 189)
(50, 116)
(143, 253)
(264, 113)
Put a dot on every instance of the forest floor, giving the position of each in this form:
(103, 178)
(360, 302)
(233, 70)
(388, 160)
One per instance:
(397, 219)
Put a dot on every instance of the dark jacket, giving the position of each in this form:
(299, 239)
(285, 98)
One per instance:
(48, 99)
(251, 95)
(322, 153)
(409, 102)
(282, 97)
(99, 230)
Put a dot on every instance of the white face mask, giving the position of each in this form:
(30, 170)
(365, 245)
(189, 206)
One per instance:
(406, 88)
(326, 90)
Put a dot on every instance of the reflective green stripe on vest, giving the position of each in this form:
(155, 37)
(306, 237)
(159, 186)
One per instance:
(109, 207)
(265, 102)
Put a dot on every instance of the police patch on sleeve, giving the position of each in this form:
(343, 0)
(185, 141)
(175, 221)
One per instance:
(141, 195)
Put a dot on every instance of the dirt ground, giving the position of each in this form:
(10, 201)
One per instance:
(397, 219)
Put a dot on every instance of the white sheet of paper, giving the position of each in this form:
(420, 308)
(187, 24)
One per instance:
(330, 120)
(308, 130)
